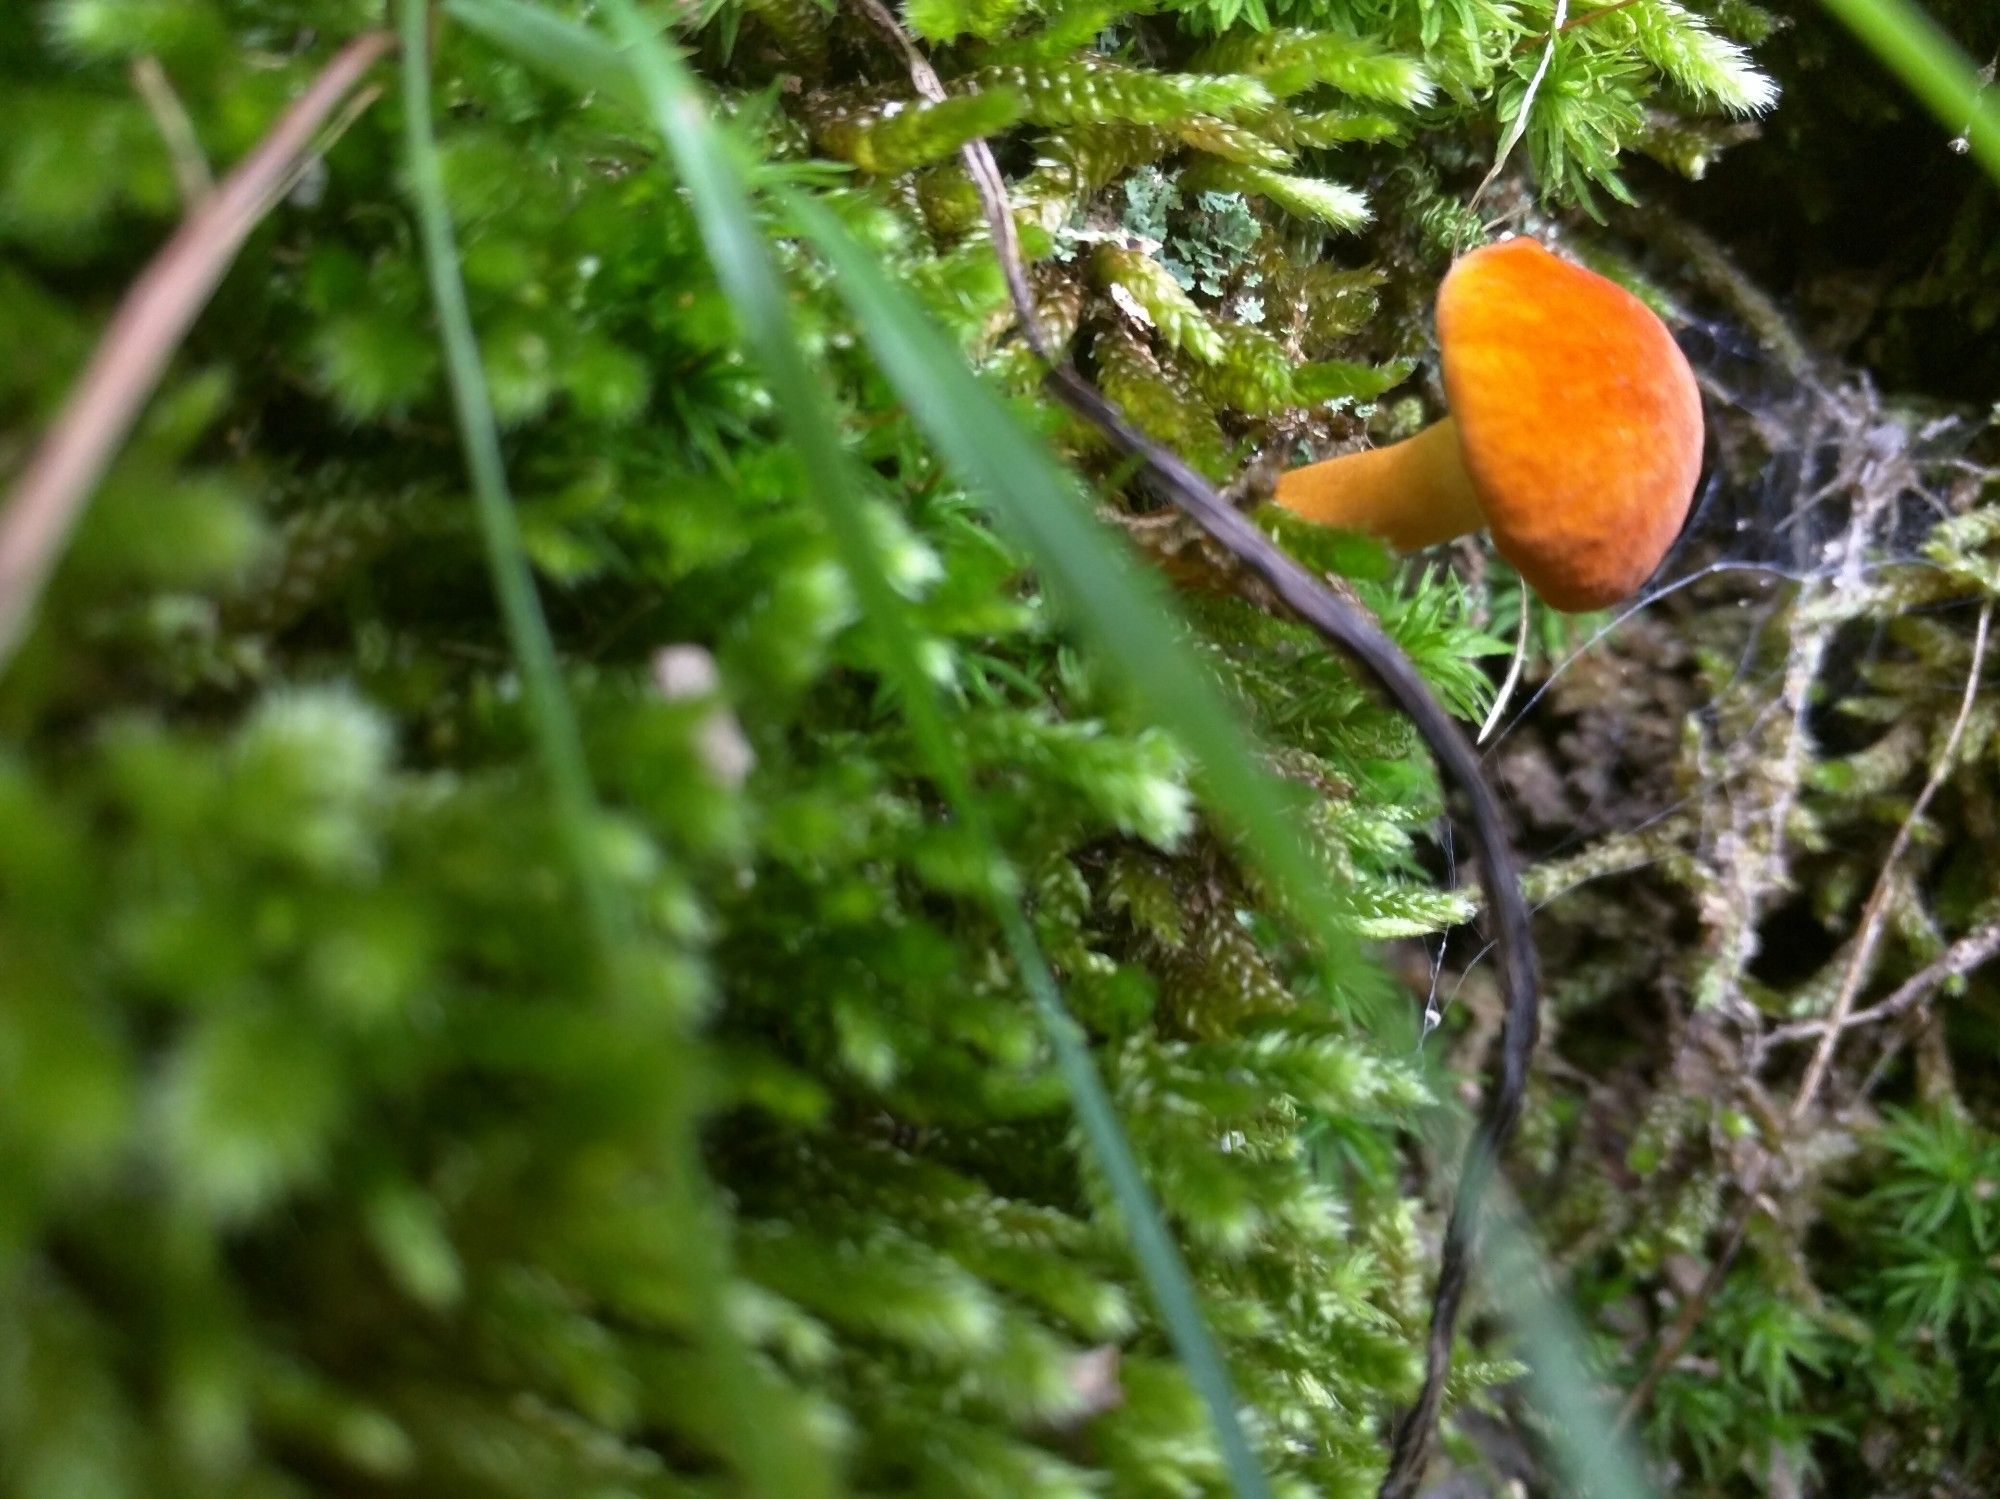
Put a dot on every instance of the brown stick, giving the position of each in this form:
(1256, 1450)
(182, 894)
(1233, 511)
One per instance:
(149, 325)
(1355, 633)
(1674, 1339)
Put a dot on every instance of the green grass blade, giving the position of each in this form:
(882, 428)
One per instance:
(553, 725)
(736, 246)
(1914, 48)
(556, 46)
(1120, 608)
(775, 1465)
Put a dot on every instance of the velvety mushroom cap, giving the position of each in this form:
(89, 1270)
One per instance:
(1578, 418)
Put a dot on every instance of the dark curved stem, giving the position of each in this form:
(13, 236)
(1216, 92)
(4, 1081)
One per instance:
(1357, 634)
(1354, 632)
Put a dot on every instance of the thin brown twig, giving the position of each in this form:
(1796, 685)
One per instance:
(1354, 632)
(149, 325)
(1918, 1023)
(302, 170)
(1972, 950)
(1675, 1338)
(1877, 910)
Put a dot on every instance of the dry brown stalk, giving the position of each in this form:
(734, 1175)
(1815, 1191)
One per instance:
(150, 323)
(1975, 949)
(156, 91)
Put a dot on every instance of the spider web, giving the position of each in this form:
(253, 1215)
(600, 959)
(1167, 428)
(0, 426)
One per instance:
(1817, 488)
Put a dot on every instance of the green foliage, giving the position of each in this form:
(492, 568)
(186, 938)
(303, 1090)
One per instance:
(1591, 100)
(338, 1150)
(942, 20)
(1212, 244)
(1902, 1348)
(1290, 62)
(1305, 197)
(1161, 403)
(1159, 300)
(1579, 117)
(1093, 91)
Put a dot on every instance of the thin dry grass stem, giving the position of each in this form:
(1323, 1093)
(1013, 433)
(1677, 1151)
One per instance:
(1351, 630)
(329, 137)
(148, 327)
(985, 169)
(1676, 1336)
(184, 153)
(1513, 678)
(1975, 949)
(1920, 1021)
(1876, 912)
(1518, 126)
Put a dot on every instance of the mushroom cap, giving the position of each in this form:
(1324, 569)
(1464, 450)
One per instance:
(1578, 417)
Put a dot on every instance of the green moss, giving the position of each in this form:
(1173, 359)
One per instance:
(332, 1157)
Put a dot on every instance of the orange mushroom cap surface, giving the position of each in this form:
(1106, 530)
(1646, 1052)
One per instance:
(1578, 418)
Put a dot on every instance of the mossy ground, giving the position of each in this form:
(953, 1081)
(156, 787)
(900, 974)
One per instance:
(335, 1154)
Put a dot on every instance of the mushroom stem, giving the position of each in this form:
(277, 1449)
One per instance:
(1413, 493)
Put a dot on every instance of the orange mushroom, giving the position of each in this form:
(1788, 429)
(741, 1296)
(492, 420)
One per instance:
(1575, 433)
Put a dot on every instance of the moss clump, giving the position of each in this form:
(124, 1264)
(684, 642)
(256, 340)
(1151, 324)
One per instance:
(335, 1151)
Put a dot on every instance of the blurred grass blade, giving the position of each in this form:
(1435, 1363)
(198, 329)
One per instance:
(1121, 609)
(553, 45)
(1593, 1456)
(774, 1464)
(735, 244)
(1933, 67)
(550, 720)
